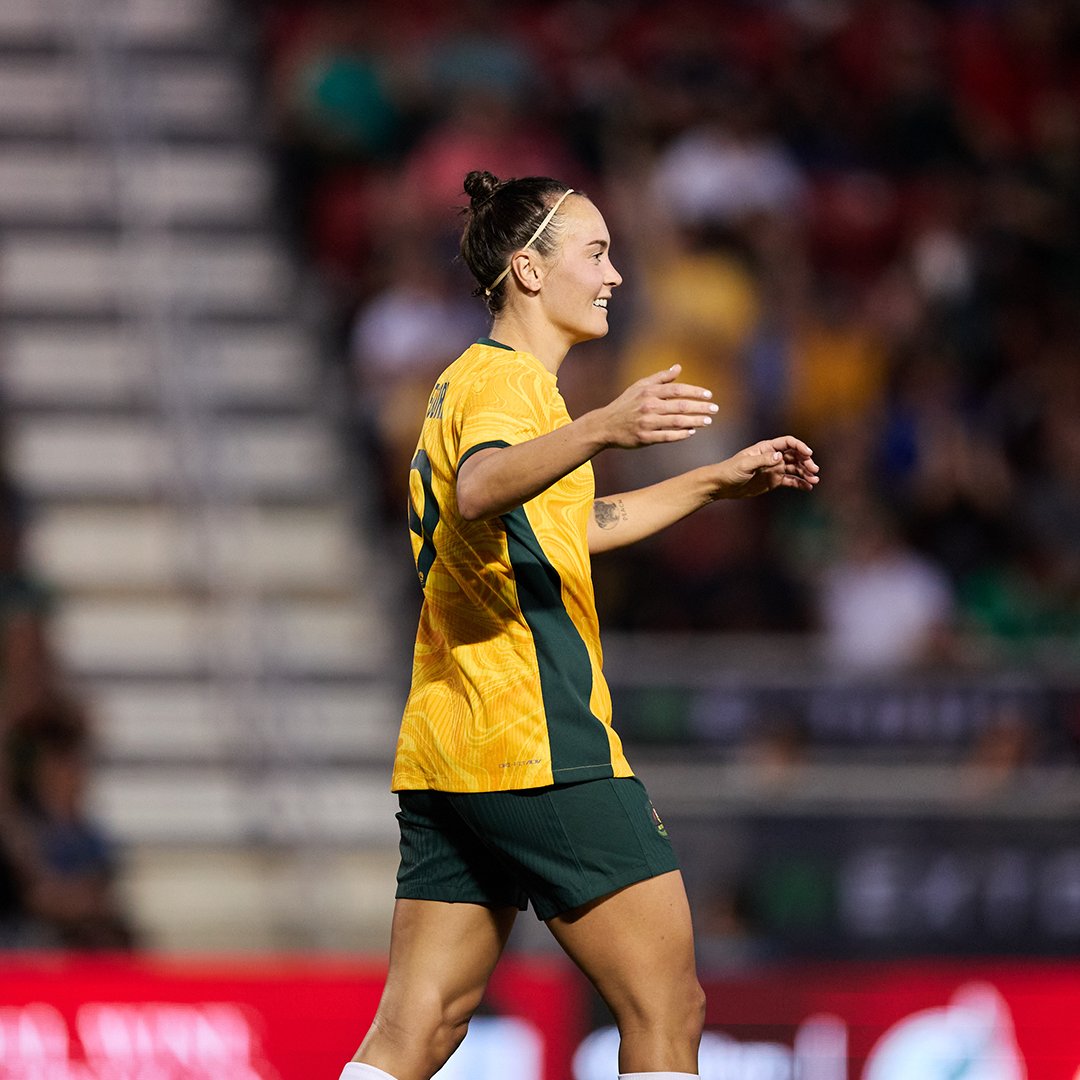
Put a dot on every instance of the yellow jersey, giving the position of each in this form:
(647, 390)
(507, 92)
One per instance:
(507, 688)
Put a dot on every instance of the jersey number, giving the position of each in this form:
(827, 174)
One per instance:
(423, 522)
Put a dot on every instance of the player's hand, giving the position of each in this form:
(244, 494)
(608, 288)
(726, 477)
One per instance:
(657, 409)
(772, 463)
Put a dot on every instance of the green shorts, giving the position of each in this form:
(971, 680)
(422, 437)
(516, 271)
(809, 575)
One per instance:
(556, 847)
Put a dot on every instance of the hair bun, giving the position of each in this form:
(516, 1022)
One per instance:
(480, 186)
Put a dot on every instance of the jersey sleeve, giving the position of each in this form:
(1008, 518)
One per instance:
(509, 406)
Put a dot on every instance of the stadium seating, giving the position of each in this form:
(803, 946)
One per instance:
(193, 506)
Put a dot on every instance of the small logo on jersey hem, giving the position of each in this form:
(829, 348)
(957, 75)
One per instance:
(519, 764)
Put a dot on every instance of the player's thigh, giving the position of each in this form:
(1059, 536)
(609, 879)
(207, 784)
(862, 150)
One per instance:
(442, 955)
(637, 947)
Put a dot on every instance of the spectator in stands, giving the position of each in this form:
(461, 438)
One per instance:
(339, 102)
(916, 125)
(838, 363)
(1031, 590)
(66, 859)
(398, 346)
(700, 305)
(941, 469)
(883, 606)
(340, 96)
(727, 167)
(472, 126)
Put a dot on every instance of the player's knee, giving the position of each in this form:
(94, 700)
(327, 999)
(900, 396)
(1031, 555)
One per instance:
(425, 1023)
(679, 1013)
(443, 1023)
(449, 1026)
(448, 1036)
(695, 1010)
(684, 1011)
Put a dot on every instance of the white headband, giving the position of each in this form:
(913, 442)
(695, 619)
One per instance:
(532, 239)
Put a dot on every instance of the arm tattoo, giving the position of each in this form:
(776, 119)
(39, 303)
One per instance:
(609, 514)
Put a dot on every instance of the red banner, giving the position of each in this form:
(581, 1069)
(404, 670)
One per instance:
(67, 1018)
(911, 1021)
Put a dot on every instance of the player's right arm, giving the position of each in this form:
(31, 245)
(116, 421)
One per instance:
(655, 409)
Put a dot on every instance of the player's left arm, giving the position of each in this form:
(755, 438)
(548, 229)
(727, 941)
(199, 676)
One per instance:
(618, 520)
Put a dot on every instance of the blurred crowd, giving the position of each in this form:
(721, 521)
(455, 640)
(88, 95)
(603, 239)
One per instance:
(858, 222)
(58, 866)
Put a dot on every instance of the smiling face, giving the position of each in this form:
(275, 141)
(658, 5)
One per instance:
(580, 278)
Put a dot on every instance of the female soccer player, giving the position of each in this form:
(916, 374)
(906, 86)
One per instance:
(512, 783)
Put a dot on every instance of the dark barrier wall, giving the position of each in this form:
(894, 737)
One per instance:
(787, 885)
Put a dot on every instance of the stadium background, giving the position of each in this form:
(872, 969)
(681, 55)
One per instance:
(227, 279)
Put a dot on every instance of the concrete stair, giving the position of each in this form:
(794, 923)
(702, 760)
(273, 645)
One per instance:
(193, 503)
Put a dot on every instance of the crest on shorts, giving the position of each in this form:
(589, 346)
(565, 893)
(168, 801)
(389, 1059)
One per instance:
(657, 822)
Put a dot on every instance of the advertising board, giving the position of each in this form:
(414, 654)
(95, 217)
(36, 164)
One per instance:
(64, 1018)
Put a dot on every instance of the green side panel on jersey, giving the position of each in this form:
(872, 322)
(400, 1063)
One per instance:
(579, 743)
